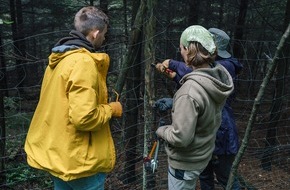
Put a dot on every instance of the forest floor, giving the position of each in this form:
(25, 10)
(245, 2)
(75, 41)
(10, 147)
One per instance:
(251, 176)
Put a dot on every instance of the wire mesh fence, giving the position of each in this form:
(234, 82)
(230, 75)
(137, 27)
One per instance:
(266, 161)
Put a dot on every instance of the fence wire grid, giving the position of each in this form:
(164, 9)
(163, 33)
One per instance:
(265, 164)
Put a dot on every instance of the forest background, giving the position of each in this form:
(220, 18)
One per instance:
(142, 32)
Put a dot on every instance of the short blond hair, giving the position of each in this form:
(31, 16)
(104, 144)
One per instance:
(90, 18)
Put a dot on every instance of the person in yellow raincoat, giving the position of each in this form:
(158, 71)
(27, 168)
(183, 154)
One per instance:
(69, 135)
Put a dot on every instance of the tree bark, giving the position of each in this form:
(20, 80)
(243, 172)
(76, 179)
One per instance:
(18, 41)
(131, 53)
(3, 87)
(221, 14)
(193, 12)
(239, 30)
(131, 107)
(149, 91)
(104, 6)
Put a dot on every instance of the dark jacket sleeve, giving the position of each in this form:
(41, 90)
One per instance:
(180, 68)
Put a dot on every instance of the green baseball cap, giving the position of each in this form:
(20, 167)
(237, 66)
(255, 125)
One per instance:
(197, 33)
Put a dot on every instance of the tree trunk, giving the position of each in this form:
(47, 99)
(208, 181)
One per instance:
(130, 55)
(193, 12)
(104, 8)
(18, 41)
(131, 107)
(221, 14)
(32, 49)
(3, 87)
(239, 30)
(149, 92)
(135, 7)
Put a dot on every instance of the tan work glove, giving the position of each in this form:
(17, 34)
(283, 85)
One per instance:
(116, 109)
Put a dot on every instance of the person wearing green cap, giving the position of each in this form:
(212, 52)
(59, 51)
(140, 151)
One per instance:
(227, 143)
(196, 110)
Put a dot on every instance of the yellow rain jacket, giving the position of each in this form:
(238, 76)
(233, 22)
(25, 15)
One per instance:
(69, 135)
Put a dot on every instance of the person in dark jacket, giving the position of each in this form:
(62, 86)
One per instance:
(227, 142)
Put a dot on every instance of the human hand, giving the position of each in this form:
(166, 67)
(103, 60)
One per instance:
(117, 109)
(160, 67)
(163, 68)
(163, 104)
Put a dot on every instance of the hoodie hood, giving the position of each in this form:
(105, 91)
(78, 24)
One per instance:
(77, 39)
(216, 81)
(234, 67)
(76, 42)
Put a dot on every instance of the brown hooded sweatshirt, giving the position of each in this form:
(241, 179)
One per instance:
(196, 116)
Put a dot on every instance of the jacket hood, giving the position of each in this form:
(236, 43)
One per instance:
(60, 52)
(216, 81)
